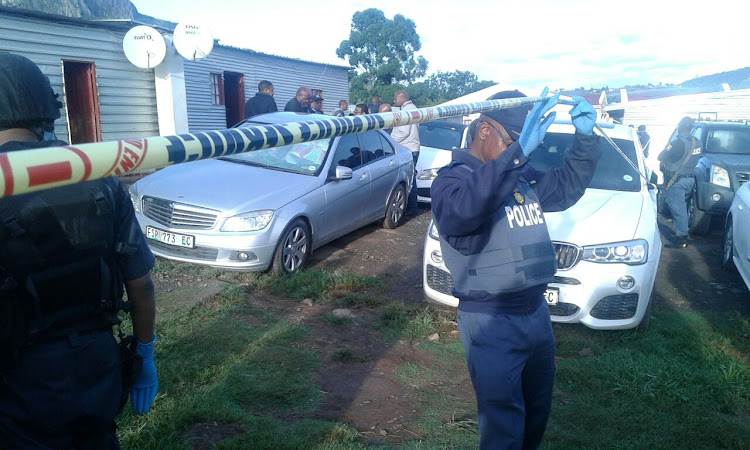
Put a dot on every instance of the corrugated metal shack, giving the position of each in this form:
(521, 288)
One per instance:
(241, 70)
(104, 96)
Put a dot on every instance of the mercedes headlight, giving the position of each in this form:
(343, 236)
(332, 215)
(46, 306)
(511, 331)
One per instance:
(433, 231)
(428, 174)
(719, 176)
(250, 221)
(630, 252)
(135, 198)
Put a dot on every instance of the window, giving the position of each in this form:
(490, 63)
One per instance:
(217, 89)
(612, 173)
(372, 147)
(348, 153)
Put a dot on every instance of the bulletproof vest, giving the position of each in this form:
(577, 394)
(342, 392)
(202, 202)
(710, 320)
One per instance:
(685, 166)
(57, 250)
(518, 254)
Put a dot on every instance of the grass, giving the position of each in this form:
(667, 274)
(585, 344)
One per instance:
(684, 383)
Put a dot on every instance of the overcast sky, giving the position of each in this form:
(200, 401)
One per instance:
(524, 43)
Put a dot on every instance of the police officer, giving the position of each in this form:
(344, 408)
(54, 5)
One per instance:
(501, 265)
(64, 256)
(678, 163)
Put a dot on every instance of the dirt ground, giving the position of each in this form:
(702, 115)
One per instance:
(368, 394)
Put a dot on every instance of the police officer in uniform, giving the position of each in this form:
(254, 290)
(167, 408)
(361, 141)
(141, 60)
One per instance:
(678, 163)
(64, 256)
(488, 206)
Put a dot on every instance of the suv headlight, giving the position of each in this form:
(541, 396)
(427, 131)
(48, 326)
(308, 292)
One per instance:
(629, 252)
(428, 174)
(250, 221)
(433, 231)
(135, 198)
(719, 176)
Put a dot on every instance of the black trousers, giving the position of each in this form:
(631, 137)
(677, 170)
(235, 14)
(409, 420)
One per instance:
(64, 394)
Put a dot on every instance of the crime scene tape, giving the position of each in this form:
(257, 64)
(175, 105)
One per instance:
(32, 170)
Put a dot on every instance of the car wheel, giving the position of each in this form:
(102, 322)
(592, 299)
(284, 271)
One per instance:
(394, 210)
(646, 321)
(699, 221)
(727, 244)
(293, 248)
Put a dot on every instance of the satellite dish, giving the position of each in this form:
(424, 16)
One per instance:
(144, 47)
(193, 41)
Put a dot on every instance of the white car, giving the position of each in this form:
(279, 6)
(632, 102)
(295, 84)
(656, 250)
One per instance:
(607, 244)
(736, 242)
(437, 141)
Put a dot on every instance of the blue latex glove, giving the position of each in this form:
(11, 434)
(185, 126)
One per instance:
(146, 383)
(535, 126)
(583, 116)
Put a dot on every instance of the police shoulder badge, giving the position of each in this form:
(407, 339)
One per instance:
(518, 196)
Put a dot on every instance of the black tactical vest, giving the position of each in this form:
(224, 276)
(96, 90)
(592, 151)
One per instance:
(519, 253)
(57, 262)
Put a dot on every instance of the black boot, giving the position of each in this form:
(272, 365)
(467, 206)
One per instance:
(678, 242)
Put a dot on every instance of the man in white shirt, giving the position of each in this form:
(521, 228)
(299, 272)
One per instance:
(408, 136)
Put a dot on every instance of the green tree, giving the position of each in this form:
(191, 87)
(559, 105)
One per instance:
(383, 52)
(446, 86)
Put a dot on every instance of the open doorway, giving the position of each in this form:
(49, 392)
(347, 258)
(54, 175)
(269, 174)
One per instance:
(234, 97)
(82, 102)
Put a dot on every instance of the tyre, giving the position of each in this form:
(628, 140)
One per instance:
(698, 220)
(394, 210)
(646, 321)
(293, 248)
(727, 245)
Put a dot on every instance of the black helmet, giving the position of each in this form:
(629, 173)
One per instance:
(26, 97)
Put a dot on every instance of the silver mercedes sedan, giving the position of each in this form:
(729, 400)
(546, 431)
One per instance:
(270, 208)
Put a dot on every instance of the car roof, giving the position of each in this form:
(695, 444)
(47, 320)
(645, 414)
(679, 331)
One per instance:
(284, 117)
(722, 124)
(446, 124)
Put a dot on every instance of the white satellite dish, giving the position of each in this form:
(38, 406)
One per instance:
(193, 41)
(144, 47)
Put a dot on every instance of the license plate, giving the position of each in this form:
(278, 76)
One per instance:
(552, 295)
(180, 240)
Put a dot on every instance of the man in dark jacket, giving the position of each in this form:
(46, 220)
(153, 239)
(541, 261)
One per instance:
(65, 253)
(678, 163)
(488, 206)
(262, 102)
(301, 102)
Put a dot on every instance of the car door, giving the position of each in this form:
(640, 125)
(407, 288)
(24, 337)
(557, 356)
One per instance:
(346, 200)
(383, 169)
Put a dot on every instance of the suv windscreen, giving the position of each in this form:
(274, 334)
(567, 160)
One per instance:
(612, 173)
(728, 141)
(446, 137)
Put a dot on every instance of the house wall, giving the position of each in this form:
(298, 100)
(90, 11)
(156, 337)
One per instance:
(126, 94)
(285, 74)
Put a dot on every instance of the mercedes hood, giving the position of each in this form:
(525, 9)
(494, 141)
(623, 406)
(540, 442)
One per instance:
(226, 186)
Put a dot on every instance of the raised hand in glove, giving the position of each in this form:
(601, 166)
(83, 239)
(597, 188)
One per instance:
(146, 383)
(536, 124)
(583, 116)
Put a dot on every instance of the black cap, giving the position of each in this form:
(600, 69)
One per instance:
(26, 97)
(686, 122)
(512, 118)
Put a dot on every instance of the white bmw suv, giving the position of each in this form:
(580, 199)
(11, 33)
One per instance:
(607, 244)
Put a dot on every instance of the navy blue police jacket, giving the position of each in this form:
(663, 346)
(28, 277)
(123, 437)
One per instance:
(464, 202)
